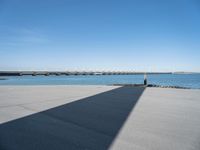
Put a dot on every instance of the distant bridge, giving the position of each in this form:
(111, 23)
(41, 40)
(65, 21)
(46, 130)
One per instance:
(59, 73)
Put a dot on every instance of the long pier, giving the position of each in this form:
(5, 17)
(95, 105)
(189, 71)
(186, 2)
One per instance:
(58, 73)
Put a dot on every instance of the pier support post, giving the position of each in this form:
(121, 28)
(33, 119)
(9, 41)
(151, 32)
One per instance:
(145, 79)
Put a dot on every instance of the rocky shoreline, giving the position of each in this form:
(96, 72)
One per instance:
(151, 85)
(162, 86)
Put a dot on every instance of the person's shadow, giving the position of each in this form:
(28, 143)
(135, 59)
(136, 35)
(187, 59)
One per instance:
(87, 124)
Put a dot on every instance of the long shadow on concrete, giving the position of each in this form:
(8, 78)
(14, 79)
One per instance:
(89, 123)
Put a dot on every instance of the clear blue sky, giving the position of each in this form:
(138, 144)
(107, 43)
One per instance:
(135, 35)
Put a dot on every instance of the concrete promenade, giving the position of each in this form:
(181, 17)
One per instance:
(99, 118)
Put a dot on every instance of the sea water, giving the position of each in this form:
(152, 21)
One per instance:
(182, 80)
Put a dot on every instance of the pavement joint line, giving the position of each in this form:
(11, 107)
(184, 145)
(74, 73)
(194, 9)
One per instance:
(76, 124)
(43, 101)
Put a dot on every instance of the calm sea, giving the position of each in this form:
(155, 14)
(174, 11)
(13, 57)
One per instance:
(183, 80)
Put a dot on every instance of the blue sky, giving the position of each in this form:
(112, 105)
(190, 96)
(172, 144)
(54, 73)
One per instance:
(131, 35)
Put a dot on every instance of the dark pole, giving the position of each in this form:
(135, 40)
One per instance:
(145, 79)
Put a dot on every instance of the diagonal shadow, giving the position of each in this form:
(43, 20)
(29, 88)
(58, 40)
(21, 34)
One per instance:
(89, 123)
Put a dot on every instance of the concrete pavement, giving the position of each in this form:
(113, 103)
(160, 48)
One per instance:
(99, 117)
